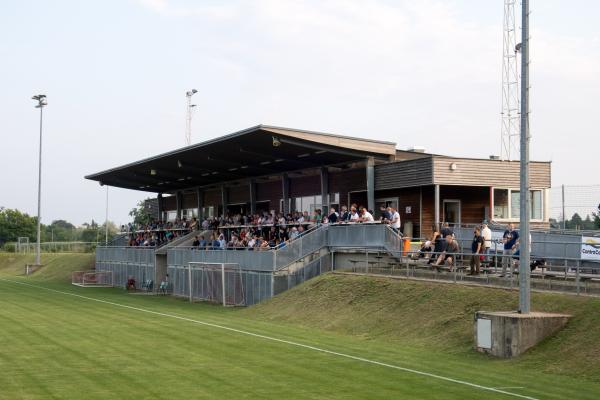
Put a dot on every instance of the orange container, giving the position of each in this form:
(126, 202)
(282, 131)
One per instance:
(405, 246)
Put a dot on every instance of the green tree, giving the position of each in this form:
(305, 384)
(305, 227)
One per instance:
(60, 231)
(15, 224)
(575, 222)
(596, 216)
(139, 214)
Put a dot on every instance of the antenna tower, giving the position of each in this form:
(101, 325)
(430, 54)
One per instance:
(510, 86)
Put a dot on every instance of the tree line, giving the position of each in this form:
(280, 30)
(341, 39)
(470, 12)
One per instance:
(577, 223)
(15, 224)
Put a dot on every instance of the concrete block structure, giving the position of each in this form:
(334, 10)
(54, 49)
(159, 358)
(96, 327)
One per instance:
(509, 334)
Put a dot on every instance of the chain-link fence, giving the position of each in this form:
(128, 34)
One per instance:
(574, 207)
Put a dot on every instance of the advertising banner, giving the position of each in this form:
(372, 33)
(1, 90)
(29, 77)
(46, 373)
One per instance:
(590, 248)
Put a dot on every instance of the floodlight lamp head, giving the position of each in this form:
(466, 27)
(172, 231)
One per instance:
(518, 48)
(194, 91)
(41, 99)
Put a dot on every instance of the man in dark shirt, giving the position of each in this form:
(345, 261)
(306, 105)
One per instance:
(509, 239)
(333, 216)
(476, 247)
(446, 230)
(448, 254)
(385, 214)
(344, 214)
(196, 242)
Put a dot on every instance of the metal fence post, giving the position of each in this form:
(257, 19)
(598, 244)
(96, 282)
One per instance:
(577, 277)
(190, 280)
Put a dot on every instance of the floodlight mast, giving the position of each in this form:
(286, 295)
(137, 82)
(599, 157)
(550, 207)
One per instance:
(509, 145)
(42, 102)
(524, 197)
(188, 118)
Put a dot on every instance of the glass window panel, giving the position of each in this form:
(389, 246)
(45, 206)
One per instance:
(501, 203)
(536, 204)
(515, 205)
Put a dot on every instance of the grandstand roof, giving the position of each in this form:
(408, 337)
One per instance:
(258, 151)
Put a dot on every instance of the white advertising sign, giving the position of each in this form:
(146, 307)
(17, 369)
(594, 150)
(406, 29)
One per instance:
(590, 248)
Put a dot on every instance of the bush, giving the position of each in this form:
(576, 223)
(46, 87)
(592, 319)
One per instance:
(9, 247)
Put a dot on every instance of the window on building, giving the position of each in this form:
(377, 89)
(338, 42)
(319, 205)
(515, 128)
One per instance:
(507, 204)
(189, 213)
(208, 212)
(171, 216)
(501, 204)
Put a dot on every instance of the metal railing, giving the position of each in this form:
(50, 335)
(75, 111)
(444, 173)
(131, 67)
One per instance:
(51, 247)
(559, 274)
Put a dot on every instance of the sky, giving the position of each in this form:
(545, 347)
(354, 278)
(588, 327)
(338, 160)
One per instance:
(424, 73)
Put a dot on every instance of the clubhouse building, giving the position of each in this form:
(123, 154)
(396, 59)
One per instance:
(268, 168)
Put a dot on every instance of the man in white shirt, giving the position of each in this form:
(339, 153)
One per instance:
(395, 221)
(354, 217)
(366, 216)
(486, 233)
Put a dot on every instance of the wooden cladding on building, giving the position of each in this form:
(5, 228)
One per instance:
(476, 172)
(442, 170)
(402, 174)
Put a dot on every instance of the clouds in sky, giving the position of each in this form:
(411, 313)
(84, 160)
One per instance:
(414, 72)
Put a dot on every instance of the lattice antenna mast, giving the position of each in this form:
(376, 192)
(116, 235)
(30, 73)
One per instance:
(188, 116)
(510, 86)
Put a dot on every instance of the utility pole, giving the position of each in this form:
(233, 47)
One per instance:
(564, 221)
(524, 197)
(106, 220)
(42, 102)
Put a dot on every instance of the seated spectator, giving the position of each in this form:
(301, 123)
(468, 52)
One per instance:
(294, 233)
(344, 214)
(130, 283)
(333, 216)
(448, 254)
(202, 242)
(196, 242)
(354, 217)
(366, 216)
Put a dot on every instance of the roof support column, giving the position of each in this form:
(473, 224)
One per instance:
(200, 203)
(491, 212)
(371, 184)
(325, 190)
(179, 201)
(252, 189)
(224, 199)
(160, 206)
(285, 187)
(436, 200)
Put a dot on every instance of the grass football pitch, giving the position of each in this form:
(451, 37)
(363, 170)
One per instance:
(58, 341)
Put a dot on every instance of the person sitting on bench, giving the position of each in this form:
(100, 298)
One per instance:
(438, 246)
(448, 254)
(131, 283)
(164, 285)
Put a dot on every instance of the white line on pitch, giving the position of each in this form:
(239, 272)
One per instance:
(306, 346)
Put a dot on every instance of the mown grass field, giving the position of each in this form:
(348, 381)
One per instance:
(54, 345)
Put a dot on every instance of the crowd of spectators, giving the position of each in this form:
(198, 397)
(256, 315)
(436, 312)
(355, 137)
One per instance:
(256, 231)
(158, 233)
